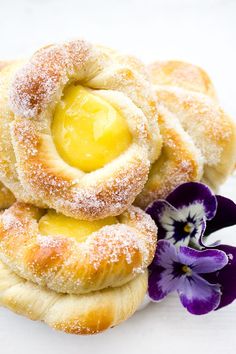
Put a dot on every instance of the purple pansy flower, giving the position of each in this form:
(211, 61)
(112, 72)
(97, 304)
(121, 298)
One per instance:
(182, 217)
(187, 217)
(180, 269)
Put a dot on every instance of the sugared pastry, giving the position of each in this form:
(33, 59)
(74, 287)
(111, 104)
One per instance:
(6, 197)
(76, 256)
(76, 314)
(199, 137)
(80, 132)
(78, 276)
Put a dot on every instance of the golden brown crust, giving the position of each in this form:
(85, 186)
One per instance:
(76, 314)
(110, 257)
(33, 169)
(183, 75)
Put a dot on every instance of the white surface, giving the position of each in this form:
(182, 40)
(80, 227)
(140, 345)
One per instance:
(203, 32)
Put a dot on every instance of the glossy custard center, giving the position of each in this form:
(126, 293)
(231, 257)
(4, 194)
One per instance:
(87, 130)
(54, 224)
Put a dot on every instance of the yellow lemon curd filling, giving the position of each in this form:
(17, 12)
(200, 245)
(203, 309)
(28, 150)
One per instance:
(87, 130)
(54, 224)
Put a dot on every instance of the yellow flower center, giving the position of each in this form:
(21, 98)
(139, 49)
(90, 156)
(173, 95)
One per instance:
(188, 228)
(186, 269)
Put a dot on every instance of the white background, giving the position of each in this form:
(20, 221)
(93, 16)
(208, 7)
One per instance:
(203, 32)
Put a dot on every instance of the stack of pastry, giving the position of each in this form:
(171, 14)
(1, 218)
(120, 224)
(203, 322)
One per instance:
(85, 133)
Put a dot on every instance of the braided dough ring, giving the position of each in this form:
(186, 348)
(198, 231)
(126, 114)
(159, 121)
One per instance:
(76, 314)
(108, 257)
(6, 197)
(43, 177)
(199, 138)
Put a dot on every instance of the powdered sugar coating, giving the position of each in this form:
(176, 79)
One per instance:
(36, 84)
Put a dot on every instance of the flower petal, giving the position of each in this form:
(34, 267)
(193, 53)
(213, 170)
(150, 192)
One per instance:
(198, 296)
(165, 255)
(194, 193)
(225, 215)
(201, 262)
(160, 283)
(226, 277)
(162, 280)
(162, 213)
